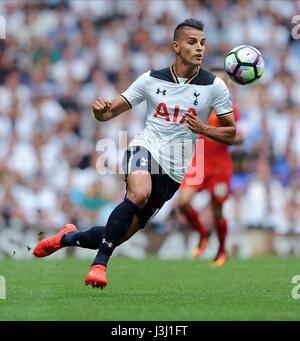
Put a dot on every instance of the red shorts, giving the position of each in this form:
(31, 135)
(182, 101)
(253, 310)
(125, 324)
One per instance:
(218, 184)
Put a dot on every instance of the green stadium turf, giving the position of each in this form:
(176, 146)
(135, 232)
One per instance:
(151, 289)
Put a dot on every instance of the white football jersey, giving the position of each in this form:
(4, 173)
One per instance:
(166, 134)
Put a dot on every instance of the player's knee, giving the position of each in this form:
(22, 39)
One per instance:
(139, 196)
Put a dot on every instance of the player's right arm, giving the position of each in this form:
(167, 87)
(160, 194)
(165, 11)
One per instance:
(105, 110)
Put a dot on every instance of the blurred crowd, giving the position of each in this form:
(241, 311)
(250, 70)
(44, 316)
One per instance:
(58, 56)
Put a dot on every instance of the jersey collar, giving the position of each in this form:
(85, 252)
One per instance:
(188, 81)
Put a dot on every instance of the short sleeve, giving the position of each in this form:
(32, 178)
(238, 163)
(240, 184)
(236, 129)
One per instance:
(221, 103)
(135, 94)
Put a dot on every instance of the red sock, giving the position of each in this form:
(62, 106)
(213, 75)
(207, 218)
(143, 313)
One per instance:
(221, 226)
(192, 216)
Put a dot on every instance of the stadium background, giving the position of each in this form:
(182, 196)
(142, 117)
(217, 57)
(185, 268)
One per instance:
(58, 56)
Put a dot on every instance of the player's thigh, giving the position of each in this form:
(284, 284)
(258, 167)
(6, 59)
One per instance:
(163, 189)
(139, 186)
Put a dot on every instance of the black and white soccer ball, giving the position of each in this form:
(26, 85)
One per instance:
(244, 64)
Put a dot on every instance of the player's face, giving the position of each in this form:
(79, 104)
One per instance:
(190, 46)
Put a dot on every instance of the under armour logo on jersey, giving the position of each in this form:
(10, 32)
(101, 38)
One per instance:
(158, 91)
(144, 161)
(105, 242)
(196, 100)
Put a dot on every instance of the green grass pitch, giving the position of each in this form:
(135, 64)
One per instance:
(151, 289)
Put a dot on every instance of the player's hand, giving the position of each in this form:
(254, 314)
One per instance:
(101, 106)
(194, 123)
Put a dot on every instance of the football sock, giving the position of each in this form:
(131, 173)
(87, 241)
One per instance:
(89, 239)
(117, 225)
(193, 218)
(221, 226)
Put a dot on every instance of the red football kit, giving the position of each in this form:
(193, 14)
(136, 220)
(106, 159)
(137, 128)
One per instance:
(218, 166)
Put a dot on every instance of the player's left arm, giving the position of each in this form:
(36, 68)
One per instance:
(221, 103)
(239, 136)
(226, 133)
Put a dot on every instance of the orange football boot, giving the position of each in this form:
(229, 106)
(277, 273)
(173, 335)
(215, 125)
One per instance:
(47, 246)
(198, 251)
(220, 259)
(96, 276)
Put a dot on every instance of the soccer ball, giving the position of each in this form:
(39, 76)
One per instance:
(244, 64)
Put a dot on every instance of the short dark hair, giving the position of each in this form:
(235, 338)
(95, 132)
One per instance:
(194, 23)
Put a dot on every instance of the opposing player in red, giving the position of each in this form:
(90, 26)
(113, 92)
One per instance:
(218, 170)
